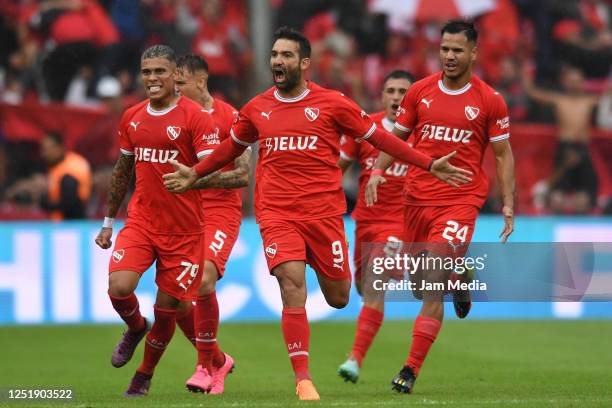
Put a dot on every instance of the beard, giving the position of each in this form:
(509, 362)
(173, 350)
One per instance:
(292, 79)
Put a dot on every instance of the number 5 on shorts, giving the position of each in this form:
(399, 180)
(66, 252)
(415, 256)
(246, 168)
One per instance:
(455, 229)
(217, 245)
(190, 268)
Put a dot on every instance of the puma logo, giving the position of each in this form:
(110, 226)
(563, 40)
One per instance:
(426, 102)
(134, 125)
(266, 115)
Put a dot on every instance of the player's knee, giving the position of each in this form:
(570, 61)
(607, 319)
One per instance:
(120, 285)
(338, 300)
(209, 278)
(184, 308)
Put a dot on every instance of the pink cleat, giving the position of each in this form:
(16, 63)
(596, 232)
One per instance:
(200, 381)
(219, 374)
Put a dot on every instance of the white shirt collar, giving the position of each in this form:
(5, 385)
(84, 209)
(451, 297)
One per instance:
(451, 91)
(291, 100)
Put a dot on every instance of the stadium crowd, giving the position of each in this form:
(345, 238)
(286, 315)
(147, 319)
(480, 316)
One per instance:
(68, 69)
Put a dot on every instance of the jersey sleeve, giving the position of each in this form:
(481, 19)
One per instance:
(498, 121)
(407, 112)
(348, 148)
(353, 121)
(243, 131)
(125, 144)
(204, 134)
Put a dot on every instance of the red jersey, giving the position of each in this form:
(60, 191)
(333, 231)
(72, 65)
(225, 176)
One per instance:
(444, 120)
(224, 116)
(297, 174)
(183, 132)
(390, 207)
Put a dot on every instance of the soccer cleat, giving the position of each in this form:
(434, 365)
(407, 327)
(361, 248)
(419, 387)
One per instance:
(219, 374)
(349, 370)
(462, 303)
(124, 350)
(306, 391)
(404, 381)
(462, 300)
(139, 387)
(200, 381)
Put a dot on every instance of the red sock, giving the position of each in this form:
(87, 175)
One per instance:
(368, 323)
(158, 338)
(424, 333)
(185, 321)
(207, 324)
(297, 336)
(218, 358)
(128, 309)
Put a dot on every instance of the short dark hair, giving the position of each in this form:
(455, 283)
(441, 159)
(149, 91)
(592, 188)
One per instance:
(400, 74)
(461, 26)
(192, 63)
(159, 51)
(288, 33)
(57, 137)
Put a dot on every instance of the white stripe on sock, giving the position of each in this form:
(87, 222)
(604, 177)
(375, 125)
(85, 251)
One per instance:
(206, 340)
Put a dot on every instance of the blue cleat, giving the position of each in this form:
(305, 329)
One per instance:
(349, 370)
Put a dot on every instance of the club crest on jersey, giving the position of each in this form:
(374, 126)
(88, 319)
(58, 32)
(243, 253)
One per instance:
(118, 255)
(471, 112)
(271, 250)
(173, 132)
(311, 114)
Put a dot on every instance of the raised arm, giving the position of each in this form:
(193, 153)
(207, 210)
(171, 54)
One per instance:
(237, 178)
(184, 177)
(120, 181)
(537, 94)
(504, 161)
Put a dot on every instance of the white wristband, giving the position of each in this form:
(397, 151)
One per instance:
(108, 222)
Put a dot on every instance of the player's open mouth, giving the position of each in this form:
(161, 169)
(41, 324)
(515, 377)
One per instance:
(279, 74)
(450, 66)
(154, 88)
(395, 106)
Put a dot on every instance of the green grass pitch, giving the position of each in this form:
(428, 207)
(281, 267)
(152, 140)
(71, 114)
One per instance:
(473, 364)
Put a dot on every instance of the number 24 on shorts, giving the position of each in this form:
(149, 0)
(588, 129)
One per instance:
(455, 230)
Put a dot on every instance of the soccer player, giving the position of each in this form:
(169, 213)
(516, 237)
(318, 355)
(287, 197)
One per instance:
(222, 216)
(298, 194)
(160, 227)
(380, 223)
(449, 111)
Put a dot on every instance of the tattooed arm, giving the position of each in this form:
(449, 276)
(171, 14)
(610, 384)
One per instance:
(120, 181)
(239, 177)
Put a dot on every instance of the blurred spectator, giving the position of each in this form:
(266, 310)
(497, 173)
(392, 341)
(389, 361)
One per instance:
(339, 66)
(220, 38)
(79, 33)
(102, 133)
(573, 186)
(66, 188)
(509, 85)
(501, 40)
(582, 35)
